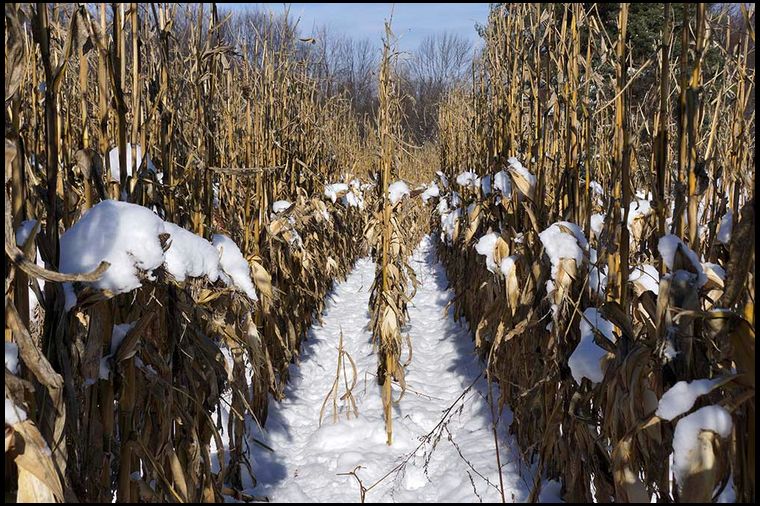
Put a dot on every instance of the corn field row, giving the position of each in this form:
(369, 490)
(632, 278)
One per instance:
(181, 193)
(210, 134)
(603, 222)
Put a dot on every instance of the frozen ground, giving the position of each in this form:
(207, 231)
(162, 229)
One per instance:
(457, 462)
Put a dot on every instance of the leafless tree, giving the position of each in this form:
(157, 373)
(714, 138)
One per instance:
(347, 65)
(441, 61)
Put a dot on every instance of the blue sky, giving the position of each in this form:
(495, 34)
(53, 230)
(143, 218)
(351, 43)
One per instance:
(411, 21)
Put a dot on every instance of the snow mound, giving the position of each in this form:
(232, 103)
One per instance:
(397, 191)
(23, 231)
(525, 180)
(507, 265)
(468, 179)
(596, 187)
(714, 272)
(280, 205)
(123, 234)
(485, 185)
(13, 413)
(686, 443)
(448, 223)
(456, 200)
(668, 245)
(502, 183)
(585, 361)
(234, 264)
(431, 191)
(11, 357)
(680, 397)
(332, 190)
(127, 237)
(486, 246)
(559, 244)
(353, 199)
(725, 228)
(444, 179)
(638, 209)
(597, 275)
(118, 334)
(190, 255)
(646, 277)
(443, 206)
(597, 224)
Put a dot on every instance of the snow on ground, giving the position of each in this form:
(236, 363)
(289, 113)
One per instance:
(307, 459)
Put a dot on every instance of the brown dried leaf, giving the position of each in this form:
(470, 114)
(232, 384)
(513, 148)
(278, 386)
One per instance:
(261, 278)
(38, 480)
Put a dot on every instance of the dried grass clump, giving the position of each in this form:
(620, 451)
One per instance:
(348, 394)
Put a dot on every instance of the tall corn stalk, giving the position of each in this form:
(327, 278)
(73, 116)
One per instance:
(389, 235)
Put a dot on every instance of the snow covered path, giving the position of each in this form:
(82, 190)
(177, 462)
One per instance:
(458, 461)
